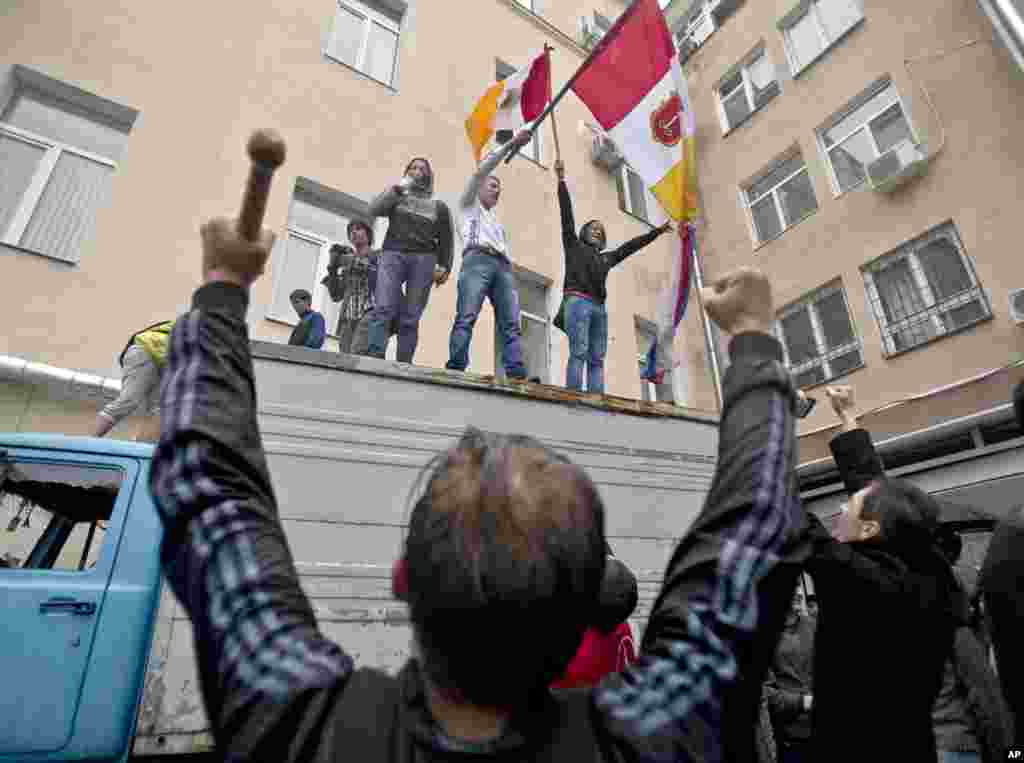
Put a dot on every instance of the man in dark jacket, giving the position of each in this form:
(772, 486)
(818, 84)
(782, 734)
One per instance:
(889, 606)
(311, 330)
(1002, 585)
(584, 291)
(789, 687)
(275, 688)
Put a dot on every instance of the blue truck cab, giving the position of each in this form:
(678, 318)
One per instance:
(79, 590)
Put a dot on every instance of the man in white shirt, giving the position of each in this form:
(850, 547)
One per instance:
(486, 268)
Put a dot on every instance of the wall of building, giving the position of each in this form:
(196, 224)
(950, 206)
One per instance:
(201, 86)
(972, 181)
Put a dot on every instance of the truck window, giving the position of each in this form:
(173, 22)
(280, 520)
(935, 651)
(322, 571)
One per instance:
(54, 516)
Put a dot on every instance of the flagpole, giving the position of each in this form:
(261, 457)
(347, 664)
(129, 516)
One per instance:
(554, 124)
(601, 45)
(709, 338)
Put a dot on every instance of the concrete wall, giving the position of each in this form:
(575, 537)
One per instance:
(201, 86)
(974, 182)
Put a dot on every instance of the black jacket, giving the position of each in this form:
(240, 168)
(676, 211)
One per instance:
(885, 630)
(277, 689)
(970, 714)
(586, 269)
(1000, 580)
(790, 679)
(416, 225)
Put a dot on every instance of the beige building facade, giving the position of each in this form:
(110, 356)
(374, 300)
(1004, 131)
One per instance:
(866, 155)
(123, 126)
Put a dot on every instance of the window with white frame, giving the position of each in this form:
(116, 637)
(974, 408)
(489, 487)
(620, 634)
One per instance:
(365, 37)
(635, 198)
(534, 325)
(779, 198)
(815, 26)
(646, 332)
(317, 218)
(531, 150)
(697, 26)
(746, 89)
(925, 289)
(59, 147)
(817, 337)
(872, 124)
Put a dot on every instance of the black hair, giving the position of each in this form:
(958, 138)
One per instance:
(360, 224)
(507, 535)
(907, 515)
(619, 596)
(583, 229)
(302, 294)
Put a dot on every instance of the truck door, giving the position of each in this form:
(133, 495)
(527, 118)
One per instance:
(61, 515)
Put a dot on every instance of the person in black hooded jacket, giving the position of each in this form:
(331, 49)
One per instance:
(889, 606)
(584, 292)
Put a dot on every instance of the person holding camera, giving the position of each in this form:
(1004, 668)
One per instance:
(351, 280)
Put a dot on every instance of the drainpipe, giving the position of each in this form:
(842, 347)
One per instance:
(1008, 19)
(76, 385)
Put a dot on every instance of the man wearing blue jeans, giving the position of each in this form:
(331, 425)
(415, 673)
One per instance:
(486, 268)
(584, 290)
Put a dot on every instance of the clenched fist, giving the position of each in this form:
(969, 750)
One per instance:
(229, 257)
(740, 301)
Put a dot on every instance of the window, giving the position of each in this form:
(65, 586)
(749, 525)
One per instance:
(59, 147)
(925, 289)
(636, 199)
(365, 37)
(779, 198)
(317, 218)
(817, 337)
(872, 124)
(815, 26)
(531, 150)
(54, 515)
(748, 88)
(534, 325)
(698, 26)
(646, 331)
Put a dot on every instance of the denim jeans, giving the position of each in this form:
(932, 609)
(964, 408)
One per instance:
(484, 275)
(586, 324)
(416, 271)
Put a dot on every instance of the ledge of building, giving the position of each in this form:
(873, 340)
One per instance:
(270, 351)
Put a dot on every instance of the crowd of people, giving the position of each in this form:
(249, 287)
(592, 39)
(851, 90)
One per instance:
(511, 588)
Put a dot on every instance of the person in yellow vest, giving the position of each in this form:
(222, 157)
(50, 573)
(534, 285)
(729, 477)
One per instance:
(142, 361)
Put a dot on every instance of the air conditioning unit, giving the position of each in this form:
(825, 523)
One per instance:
(901, 163)
(589, 31)
(1017, 305)
(605, 153)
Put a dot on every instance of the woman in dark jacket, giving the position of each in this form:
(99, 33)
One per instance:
(417, 252)
(586, 271)
(889, 605)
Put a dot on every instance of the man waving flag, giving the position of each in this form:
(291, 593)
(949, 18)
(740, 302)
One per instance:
(511, 103)
(634, 86)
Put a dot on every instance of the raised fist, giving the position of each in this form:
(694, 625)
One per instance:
(229, 257)
(740, 301)
(841, 397)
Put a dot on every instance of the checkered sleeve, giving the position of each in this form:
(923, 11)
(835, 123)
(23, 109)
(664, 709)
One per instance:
(706, 647)
(269, 678)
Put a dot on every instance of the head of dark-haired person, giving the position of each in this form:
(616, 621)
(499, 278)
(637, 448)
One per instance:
(360, 233)
(893, 511)
(507, 537)
(593, 233)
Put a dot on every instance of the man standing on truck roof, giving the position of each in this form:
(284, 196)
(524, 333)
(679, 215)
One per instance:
(142, 362)
(507, 533)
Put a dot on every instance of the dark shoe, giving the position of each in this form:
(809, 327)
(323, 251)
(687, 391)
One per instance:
(534, 380)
